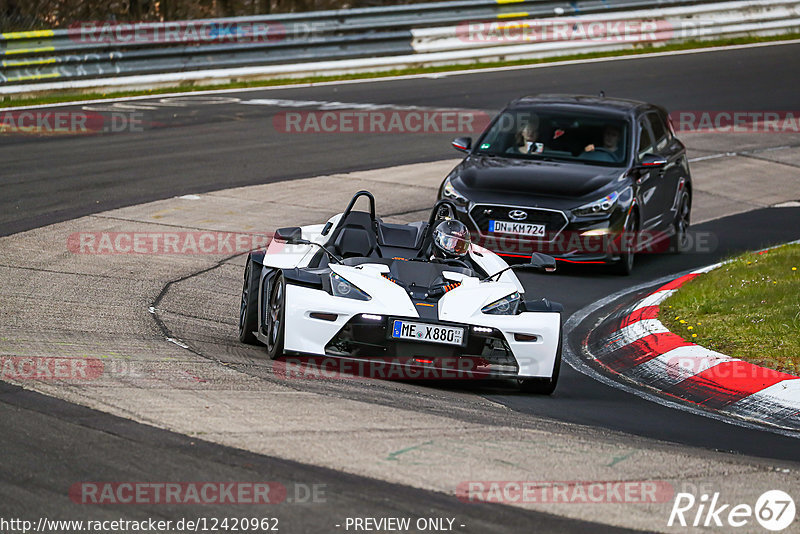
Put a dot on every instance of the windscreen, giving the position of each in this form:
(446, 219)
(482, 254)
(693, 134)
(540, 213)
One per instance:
(557, 135)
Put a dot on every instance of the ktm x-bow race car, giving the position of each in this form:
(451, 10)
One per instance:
(419, 295)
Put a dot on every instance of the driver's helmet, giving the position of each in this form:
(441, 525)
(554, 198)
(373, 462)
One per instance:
(451, 239)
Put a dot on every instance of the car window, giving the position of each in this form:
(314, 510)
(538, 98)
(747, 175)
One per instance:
(667, 121)
(645, 139)
(660, 131)
(557, 135)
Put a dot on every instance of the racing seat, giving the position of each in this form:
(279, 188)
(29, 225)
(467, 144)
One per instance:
(401, 240)
(355, 237)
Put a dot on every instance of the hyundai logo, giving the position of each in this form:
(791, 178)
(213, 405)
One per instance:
(517, 215)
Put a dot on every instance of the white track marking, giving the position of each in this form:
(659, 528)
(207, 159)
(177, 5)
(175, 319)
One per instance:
(632, 333)
(577, 363)
(677, 365)
(785, 392)
(655, 299)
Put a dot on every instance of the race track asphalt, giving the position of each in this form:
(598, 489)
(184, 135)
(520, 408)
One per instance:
(191, 148)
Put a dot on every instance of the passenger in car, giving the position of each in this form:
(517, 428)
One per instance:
(527, 138)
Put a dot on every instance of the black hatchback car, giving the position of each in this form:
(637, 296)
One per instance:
(585, 179)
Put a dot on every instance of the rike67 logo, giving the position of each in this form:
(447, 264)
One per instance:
(774, 510)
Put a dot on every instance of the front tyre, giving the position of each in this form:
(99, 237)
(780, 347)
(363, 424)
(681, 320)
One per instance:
(544, 386)
(680, 239)
(274, 321)
(630, 238)
(248, 309)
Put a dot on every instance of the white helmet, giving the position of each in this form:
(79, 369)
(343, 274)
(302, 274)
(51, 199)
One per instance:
(451, 239)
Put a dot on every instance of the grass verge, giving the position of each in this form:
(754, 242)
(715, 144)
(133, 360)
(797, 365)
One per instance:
(72, 96)
(748, 309)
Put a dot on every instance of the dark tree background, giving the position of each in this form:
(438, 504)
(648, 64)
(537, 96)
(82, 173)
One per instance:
(20, 15)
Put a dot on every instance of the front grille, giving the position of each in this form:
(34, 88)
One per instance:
(555, 221)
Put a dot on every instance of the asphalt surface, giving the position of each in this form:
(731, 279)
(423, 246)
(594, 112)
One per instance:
(56, 445)
(190, 148)
(580, 399)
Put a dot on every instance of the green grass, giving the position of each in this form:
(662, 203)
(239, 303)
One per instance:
(71, 96)
(748, 309)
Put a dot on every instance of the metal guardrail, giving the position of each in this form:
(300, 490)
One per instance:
(418, 32)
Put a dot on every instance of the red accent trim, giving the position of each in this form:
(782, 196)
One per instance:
(512, 255)
(648, 312)
(642, 350)
(578, 261)
(729, 382)
(557, 259)
(678, 282)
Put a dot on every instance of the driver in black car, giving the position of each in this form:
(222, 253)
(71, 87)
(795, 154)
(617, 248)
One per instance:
(611, 144)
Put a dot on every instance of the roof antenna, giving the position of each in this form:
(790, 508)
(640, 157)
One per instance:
(602, 94)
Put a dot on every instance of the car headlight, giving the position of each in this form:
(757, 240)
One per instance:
(340, 287)
(508, 305)
(451, 193)
(598, 207)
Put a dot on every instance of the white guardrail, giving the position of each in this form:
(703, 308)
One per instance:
(506, 36)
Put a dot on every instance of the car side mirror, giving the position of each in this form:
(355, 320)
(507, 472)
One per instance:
(462, 144)
(650, 161)
(542, 262)
(291, 235)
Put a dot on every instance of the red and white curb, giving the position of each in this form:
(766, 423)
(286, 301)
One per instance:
(637, 346)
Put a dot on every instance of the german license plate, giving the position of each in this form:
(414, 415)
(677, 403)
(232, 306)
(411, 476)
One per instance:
(432, 333)
(518, 228)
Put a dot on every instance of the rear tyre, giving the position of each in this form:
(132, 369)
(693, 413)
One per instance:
(248, 309)
(275, 313)
(630, 237)
(679, 241)
(544, 386)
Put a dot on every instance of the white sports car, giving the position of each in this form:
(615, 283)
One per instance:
(357, 288)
